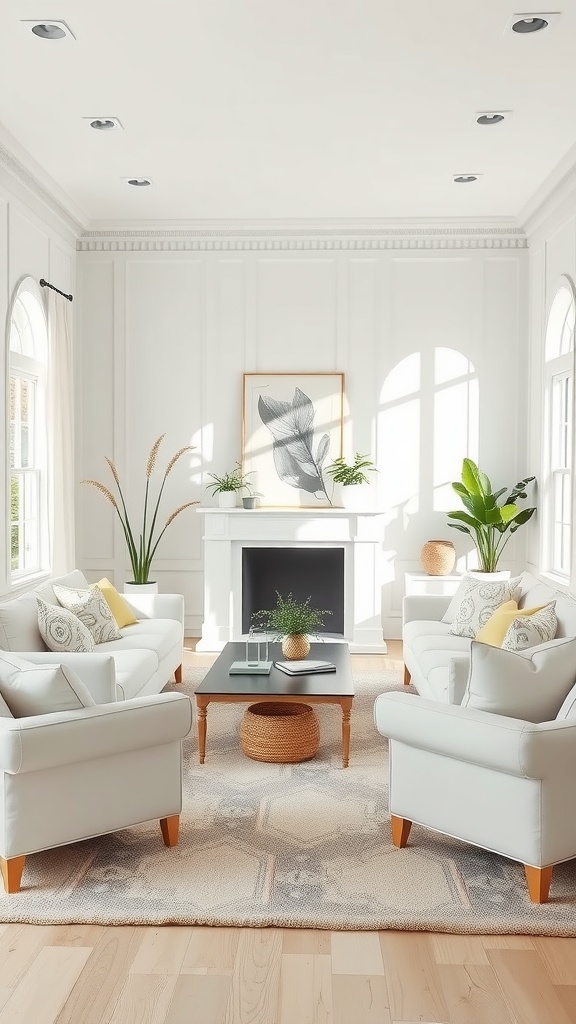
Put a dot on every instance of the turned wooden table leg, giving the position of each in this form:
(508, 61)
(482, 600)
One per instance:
(538, 881)
(202, 709)
(400, 830)
(346, 712)
(12, 873)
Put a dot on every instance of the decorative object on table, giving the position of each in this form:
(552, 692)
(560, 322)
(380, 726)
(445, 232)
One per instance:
(280, 733)
(230, 485)
(291, 425)
(292, 621)
(489, 523)
(438, 557)
(249, 501)
(352, 478)
(142, 551)
(304, 668)
(256, 662)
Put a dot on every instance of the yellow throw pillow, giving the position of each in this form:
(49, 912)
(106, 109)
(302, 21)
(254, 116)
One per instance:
(495, 629)
(118, 606)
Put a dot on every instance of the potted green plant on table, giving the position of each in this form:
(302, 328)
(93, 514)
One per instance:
(142, 542)
(488, 520)
(352, 478)
(291, 621)
(230, 485)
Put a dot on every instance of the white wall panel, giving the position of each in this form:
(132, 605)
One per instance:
(296, 314)
(29, 247)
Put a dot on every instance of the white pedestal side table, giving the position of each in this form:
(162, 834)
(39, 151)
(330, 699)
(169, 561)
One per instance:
(421, 583)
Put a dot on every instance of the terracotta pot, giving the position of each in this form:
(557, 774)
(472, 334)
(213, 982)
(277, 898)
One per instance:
(295, 647)
(438, 557)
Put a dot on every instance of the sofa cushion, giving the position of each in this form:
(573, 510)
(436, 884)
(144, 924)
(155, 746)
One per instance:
(478, 602)
(426, 627)
(531, 630)
(157, 635)
(62, 630)
(530, 685)
(133, 670)
(19, 630)
(30, 689)
(91, 608)
(120, 608)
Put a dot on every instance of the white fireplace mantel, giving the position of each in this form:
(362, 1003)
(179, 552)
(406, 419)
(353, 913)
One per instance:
(359, 534)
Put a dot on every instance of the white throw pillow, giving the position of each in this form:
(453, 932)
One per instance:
(31, 689)
(92, 610)
(531, 630)
(61, 630)
(465, 583)
(479, 600)
(530, 685)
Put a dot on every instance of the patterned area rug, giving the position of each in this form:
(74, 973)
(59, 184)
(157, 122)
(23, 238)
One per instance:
(295, 846)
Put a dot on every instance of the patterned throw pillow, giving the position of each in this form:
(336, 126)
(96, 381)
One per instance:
(61, 630)
(92, 609)
(531, 630)
(478, 602)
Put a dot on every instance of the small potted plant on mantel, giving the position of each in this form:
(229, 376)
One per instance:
(352, 478)
(292, 622)
(230, 485)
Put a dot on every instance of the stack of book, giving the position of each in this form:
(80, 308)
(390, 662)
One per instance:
(304, 668)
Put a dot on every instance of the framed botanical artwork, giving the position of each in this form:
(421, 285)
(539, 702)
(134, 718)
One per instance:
(291, 431)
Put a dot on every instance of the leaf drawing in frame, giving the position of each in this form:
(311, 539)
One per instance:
(297, 458)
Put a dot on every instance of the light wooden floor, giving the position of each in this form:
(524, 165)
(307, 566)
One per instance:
(173, 975)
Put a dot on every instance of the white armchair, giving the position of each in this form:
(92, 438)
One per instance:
(72, 775)
(499, 783)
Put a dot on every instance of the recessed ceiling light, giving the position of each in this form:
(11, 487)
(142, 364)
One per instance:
(465, 179)
(49, 29)
(139, 182)
(491, 118)
(104, 124)
(531, 22)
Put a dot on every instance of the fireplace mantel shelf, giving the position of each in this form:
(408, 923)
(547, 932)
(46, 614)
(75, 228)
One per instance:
(227, 531)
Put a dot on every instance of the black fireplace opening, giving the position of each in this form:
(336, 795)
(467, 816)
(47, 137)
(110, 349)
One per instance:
(317, 573)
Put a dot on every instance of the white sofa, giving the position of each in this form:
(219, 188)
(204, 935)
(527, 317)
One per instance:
(437, 662)
(148, 654)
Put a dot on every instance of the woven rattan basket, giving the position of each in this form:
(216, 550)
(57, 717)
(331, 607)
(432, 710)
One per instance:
(280, 733)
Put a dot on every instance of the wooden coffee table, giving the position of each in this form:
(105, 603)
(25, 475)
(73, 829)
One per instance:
(321, 688)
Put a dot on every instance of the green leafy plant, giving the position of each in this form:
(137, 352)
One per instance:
(346, 474)
(290, 617)
(141, 551)
(489, 522)
(234, 481)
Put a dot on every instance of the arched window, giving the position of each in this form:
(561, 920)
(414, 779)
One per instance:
(559, 430)
(28, 358)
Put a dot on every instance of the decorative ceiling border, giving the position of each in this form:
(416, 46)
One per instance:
(25, 178)
(302, 238)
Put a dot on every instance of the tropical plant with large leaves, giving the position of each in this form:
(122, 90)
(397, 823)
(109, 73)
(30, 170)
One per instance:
(489, 521)
(298, 458)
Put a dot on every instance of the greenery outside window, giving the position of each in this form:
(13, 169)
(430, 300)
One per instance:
(27, 433)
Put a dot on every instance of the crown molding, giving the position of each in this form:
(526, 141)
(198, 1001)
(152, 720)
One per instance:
(289, 236)
(19, 175)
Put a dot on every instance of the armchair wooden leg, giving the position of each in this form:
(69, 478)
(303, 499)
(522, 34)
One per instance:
(407, 677)
(12, 873)
(170, 828)
(400, 830)
(178, 674)
(538, 880)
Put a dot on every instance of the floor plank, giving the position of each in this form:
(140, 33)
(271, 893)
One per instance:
(45, 986)
(356, 953)
(472, 994)
(256, 978)
(559, 957)
(412, 977)
(305, 989)
(211, 949)
(162, 951)
(145, 999)
(527, 989)
(306, 940)
(360, 1000)
(199, 1000)
(95, 994)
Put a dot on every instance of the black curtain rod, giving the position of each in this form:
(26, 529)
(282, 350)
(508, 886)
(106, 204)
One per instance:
(46, 284)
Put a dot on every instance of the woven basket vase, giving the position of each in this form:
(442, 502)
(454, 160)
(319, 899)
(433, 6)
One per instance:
(438, 557)
(295, 647)
(280, 733)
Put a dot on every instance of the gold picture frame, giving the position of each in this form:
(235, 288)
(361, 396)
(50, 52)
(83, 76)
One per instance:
(292, 429)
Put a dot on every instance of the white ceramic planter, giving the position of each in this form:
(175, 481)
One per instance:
(355, 497)
(140, 588)
(489, 577)
(227, 499)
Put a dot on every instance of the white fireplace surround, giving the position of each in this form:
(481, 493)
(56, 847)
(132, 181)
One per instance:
(227, 531)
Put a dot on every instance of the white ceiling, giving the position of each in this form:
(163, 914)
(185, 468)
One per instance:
(250, 109)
